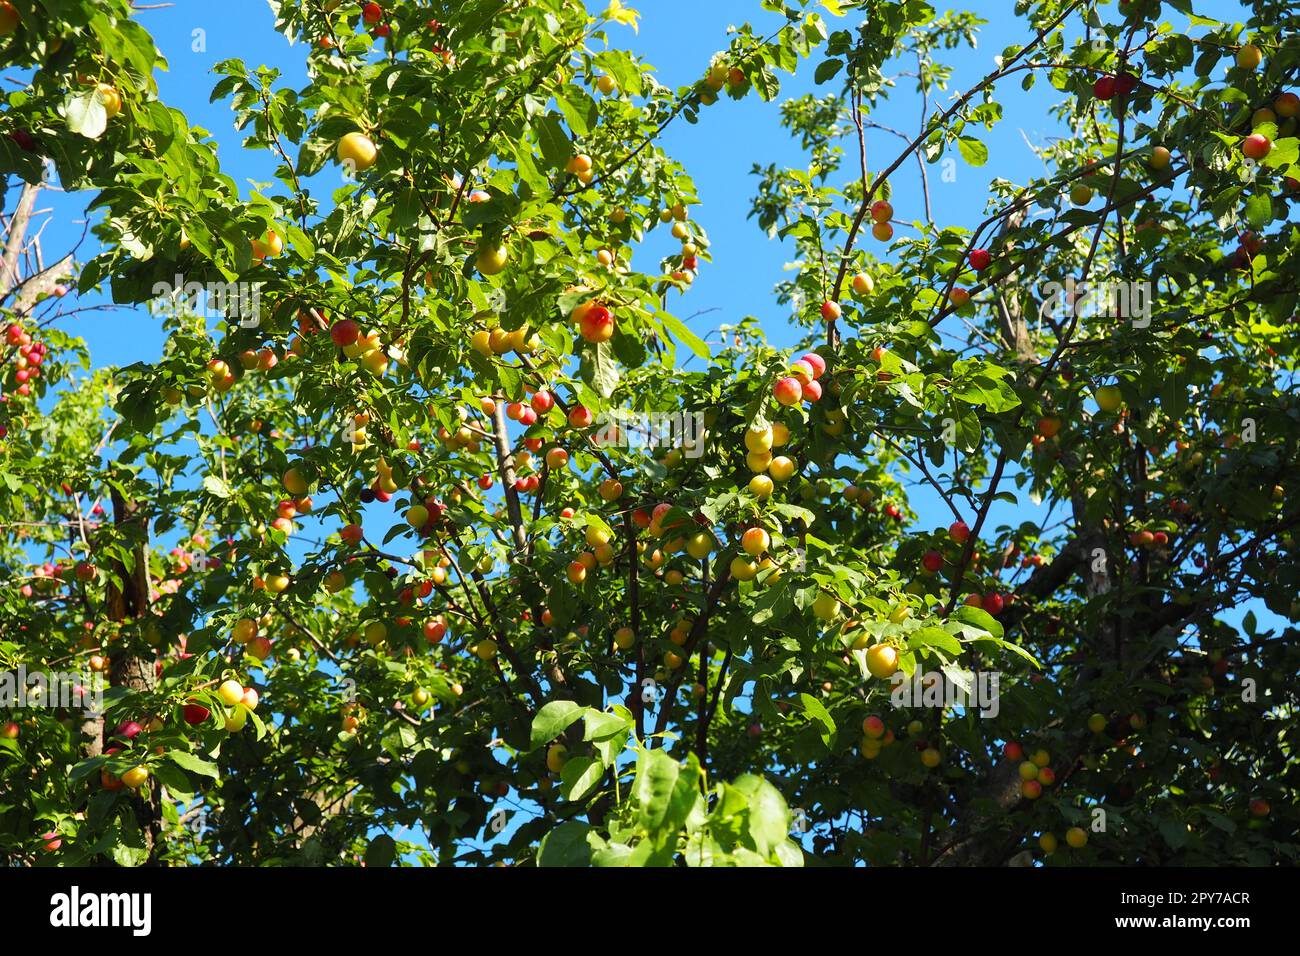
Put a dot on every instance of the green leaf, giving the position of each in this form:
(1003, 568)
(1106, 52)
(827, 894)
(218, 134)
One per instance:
(1174, 831)
(313, 154)
(1284, 152)
(972, 150)
(774, 603)
(556, 147)
(381, 852)
(980, 618)
(686, 808)
(815, 709)
(608, 732)
(612, 854)
(129, 850)
(300, 241)
(769, 818)
(85, 768)
(85, 114)
(994, 394)
(552, 720)
(599, 725)
(959, 678)
(826, 70)
(1008, 645)
(683, 334)
(566, 845)
(621, 14)
(162, 122)
(216, 487)
(176, 782)
(580, 776)
(187, 761)
(656, 776)
(1217, 819)
(579, 109)
(1259, 210)
(602, 369)
(935, 637)
(789, 853)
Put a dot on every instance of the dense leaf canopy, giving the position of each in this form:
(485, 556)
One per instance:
(376, 565)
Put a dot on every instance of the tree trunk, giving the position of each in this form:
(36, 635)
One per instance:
(127, 669)
(9, 277)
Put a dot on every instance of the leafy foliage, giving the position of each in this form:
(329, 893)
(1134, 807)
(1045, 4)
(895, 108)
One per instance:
(545, 644)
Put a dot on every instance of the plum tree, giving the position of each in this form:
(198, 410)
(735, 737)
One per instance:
(448, 352)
